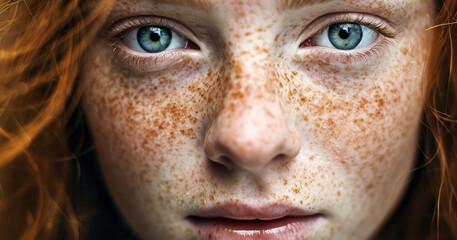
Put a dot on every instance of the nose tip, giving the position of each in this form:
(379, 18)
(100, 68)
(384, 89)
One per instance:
(251, 140)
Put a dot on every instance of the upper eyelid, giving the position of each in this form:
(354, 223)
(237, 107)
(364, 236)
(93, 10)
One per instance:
(378, 23)
(119, 28)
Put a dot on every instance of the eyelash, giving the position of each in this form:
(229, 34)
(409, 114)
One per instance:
(138, 60)
(373, 22)
(381, 26)
(376, 49)
(141, 61)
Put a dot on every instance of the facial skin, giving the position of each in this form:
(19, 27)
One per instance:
(256, 118)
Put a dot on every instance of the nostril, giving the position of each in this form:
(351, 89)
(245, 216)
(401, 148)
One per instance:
(223, 161)
(280, 159)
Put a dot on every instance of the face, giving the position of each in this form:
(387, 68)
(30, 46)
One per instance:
(272, 119)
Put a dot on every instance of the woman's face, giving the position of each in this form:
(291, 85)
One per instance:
(265, 119)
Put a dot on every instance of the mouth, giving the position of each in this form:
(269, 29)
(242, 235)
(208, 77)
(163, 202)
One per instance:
(244, 222)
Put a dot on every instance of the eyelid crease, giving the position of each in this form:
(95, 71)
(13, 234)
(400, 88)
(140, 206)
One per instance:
(378, 24)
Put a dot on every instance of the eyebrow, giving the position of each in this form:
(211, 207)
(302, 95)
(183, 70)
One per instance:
(294, 4)
(208, 6)
(204, 5)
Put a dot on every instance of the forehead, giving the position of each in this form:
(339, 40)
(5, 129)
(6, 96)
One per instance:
(280, 4)
(388, 9)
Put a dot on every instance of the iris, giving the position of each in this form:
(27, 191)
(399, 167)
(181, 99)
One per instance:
(345, 36)
(154, 38)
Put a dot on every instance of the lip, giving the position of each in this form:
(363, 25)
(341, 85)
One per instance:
(243, 222)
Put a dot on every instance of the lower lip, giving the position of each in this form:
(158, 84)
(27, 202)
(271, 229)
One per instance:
(289, 227)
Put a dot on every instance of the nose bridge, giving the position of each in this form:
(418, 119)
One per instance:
(249, 71)
(249, 78)
(250, 106)
(250, 64)
(250, 129)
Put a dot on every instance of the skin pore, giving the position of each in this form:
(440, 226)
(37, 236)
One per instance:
(255, 113)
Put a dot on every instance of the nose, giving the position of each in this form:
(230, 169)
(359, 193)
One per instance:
(251, 130)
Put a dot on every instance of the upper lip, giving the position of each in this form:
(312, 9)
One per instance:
(239, 211)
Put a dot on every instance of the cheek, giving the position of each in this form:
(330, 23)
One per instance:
(360, 119)
(139, 123)
(148, 136)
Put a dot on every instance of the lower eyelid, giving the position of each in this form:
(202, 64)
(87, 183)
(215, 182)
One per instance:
(379, 48)
(146, 62)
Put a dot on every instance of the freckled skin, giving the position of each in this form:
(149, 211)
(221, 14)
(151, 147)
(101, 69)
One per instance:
(252, 118)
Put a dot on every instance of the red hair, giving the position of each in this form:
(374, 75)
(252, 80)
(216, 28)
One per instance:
(42, 47)
(42, 44)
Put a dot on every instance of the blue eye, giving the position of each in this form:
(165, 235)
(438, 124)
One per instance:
(153, 39)
(345, 36)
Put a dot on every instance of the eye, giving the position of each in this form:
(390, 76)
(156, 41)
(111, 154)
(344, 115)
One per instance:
(153, 39)
(344, 36)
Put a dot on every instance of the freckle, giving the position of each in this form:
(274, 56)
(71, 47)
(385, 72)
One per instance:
(285, 181)
(338, 193)
(276, 37)
(404, 50)
(380, 102)
(211, 197)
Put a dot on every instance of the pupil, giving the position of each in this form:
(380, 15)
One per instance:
(344, 33)
(155, 37)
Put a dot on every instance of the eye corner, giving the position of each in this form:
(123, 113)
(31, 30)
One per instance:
(191, 45)
(305, 44)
